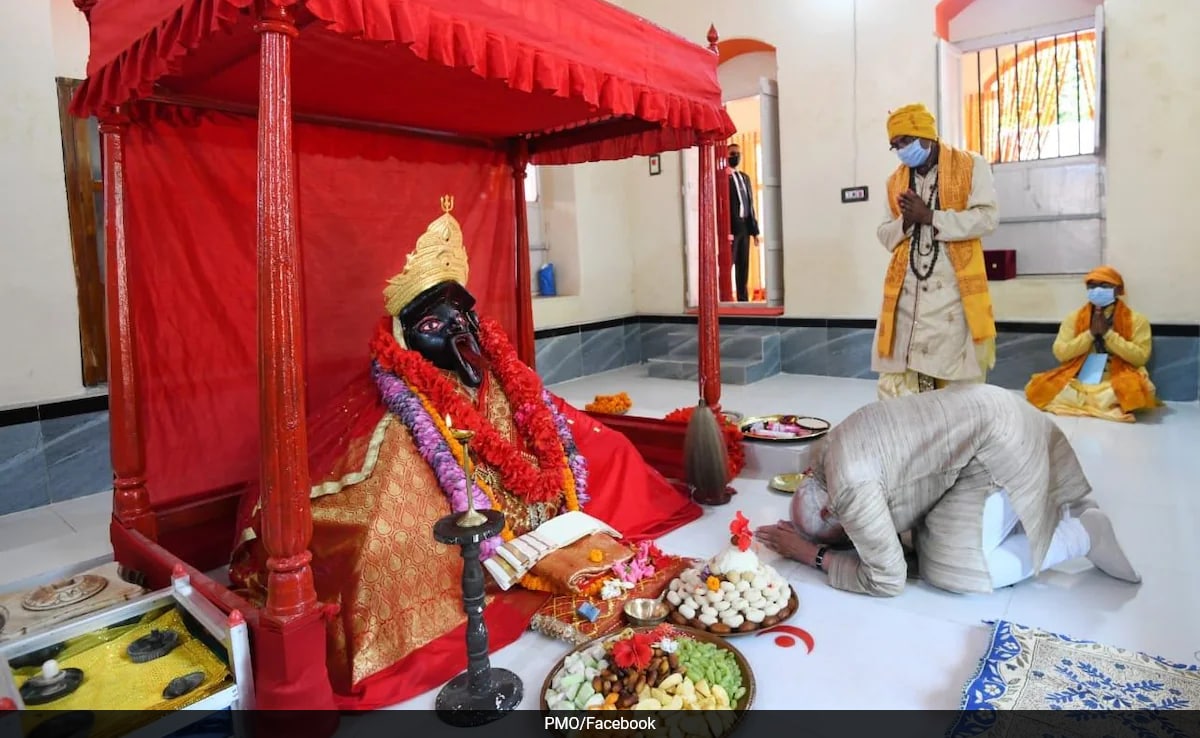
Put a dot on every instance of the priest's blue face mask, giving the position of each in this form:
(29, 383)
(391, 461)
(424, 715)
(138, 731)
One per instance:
(914, 154)
(1101, 296)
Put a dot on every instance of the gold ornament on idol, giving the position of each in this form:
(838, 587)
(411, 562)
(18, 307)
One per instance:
(438, 257)
(472, 517)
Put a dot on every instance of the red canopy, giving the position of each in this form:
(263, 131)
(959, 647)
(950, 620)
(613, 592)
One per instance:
(489, 69)
(207, 314)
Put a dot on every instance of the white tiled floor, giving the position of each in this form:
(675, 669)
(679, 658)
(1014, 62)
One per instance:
(1145, 475)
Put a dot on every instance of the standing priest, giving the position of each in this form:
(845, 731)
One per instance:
(936, 327)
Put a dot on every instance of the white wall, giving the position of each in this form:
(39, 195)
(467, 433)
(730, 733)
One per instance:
(740, 75)
(39, 317)
(1153, 64)
(69, 32)
(588, 231)
(832, 121)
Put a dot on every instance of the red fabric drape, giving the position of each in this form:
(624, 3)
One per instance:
(495, 69)
(364, 199)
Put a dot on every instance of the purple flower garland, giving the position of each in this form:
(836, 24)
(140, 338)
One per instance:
(432, 446)
(575, 460)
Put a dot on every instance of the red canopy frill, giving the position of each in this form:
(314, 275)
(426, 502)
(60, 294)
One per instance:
(585, 81)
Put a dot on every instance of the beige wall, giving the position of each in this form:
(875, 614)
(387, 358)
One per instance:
(832, 119)
(39, 318)
(588, 231)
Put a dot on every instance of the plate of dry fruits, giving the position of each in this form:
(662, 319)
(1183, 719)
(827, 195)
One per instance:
(693, 678)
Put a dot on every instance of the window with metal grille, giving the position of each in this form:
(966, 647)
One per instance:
(1033, 99)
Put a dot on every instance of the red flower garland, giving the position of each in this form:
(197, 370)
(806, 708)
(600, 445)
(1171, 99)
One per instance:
(532, 418)
(734, 440)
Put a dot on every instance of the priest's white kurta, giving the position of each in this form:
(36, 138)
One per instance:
(931, 335)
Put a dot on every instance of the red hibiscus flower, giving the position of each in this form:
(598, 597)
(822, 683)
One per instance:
(740, 528)
(633, 652)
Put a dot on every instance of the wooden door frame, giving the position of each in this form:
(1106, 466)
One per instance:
(82, 191)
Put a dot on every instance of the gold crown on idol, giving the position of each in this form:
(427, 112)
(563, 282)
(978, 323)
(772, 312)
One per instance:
(438, 257)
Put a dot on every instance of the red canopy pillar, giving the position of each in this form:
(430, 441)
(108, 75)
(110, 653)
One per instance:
(290, 643)
(525, 341)
(725, 292)
(709, 327)
(131, 501)
(724, 233)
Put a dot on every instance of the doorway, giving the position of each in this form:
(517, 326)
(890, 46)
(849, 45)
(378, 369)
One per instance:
(747, 75)
(757, 139)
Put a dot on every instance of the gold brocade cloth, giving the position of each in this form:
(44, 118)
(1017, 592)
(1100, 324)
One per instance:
(375, 556)
(112, 682)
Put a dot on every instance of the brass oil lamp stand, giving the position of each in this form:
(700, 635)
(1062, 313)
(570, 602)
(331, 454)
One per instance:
(482, 694)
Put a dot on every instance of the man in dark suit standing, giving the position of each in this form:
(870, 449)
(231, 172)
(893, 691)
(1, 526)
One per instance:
(742, 223)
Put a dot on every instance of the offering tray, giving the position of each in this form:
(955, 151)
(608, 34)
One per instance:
(785, 614)
(784, 428)
(787, 483)
(39, 603)
(733, 593)
(711, 659)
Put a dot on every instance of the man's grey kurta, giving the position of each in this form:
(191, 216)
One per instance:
(927, 463)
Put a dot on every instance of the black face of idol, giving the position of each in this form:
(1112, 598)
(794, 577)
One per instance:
(442, 326)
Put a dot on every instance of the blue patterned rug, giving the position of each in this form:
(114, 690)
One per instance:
(1058, 686)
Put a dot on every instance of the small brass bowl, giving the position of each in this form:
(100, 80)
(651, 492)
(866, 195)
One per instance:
(645, 612)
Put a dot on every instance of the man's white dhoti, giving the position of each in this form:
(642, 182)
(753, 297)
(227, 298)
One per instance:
(1006, 548)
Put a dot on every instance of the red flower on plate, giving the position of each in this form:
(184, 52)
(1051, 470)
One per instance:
(634, 652)
(740, 528)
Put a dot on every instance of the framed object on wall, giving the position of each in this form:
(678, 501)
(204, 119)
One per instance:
(655, 165)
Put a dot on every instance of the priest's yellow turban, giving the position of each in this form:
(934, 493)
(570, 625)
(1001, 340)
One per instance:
(912, 120)
(1105, 274)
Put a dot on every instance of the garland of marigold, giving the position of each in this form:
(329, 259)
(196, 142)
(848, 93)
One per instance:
(532, 418)
(617, 404)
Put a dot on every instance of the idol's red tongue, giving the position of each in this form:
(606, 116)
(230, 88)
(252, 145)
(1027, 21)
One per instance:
(466, 350)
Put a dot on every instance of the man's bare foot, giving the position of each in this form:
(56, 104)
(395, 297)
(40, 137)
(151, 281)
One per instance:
(1106, 553)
